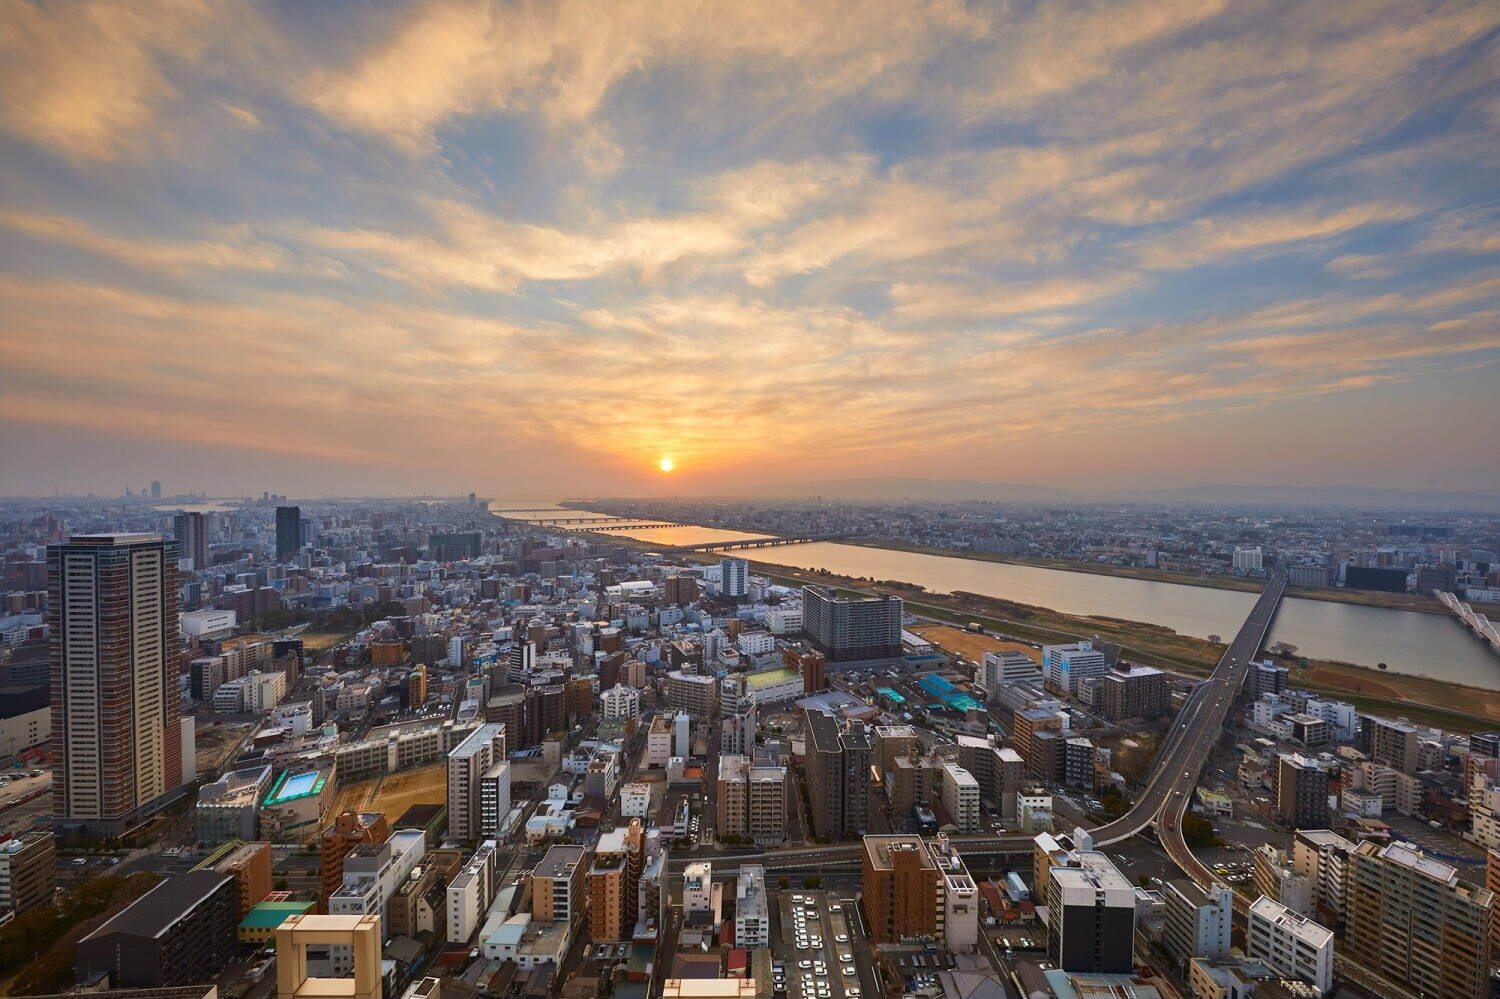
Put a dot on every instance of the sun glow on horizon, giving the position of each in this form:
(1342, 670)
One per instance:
(666, 464)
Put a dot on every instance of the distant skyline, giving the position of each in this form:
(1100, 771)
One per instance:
(547, 248)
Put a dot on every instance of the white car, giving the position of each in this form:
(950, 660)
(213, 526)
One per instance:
(846, 957)
(850, 971)
(804, 965)
(842, 938)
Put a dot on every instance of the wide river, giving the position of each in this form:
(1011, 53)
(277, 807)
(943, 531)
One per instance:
(1433, 645)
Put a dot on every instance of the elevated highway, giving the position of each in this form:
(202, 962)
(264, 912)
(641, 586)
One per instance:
(1168, 791)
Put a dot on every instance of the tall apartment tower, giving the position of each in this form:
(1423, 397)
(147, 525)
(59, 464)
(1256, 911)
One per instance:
(288, 532)
(117, 735)
(734, 577)
(1091, 925)
(468, 764)
(838, 776)
(191, 531)
(852, 628)
(1301, 792)
(1410, 917)
(900, 884)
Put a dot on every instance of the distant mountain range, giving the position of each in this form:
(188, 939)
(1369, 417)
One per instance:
(896, 488)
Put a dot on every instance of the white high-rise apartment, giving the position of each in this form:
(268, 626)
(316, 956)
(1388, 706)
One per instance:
(1290, 943)
(1248, 559)
(469, 761)
(112, 610)
(621, 703)
(752, 913)
(961, 797)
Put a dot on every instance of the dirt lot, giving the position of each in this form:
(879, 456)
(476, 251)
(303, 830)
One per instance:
(215, 743)
(396, 793)
(314, 642)
(969, 645)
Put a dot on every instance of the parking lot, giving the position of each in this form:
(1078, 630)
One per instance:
(819, 947)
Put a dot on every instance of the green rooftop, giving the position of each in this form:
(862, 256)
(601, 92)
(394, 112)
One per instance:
(269, 915)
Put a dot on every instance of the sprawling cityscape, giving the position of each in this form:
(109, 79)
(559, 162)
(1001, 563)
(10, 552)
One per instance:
(614, 499)
(384, 747)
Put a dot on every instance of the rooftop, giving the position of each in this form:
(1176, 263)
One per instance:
(157, 911)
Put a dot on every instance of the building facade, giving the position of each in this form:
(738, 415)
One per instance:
(846, 628)
(112, 609)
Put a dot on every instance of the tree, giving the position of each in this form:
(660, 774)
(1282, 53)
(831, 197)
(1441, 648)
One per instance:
(782, 884)
(47, 975)
(1198, 831)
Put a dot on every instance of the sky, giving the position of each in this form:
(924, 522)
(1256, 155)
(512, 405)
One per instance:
(536, 249)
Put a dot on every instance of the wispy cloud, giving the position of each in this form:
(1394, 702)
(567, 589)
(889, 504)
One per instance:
(471, 241)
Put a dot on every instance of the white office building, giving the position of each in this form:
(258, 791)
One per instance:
(961, 797)
(734, 578)
(1290, 943)
(1066, 666)
(1001, 669)
(1247, 560)
(752, 916)
(635, 801)
(620, 703)
(1198, 922)
(470, 894)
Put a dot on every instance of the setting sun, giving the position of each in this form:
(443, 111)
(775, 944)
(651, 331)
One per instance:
(666, 464)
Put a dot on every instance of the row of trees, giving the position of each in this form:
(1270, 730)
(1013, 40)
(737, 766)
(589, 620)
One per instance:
(40, 941)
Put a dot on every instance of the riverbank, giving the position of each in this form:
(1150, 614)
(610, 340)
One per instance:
(1450, 706)
(1364, 598)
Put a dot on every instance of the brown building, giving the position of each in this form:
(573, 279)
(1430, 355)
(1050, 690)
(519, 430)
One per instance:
(612, 882)
(912, 779)
(1413, 919)
(438, 867)
(813, 666)
(116, 732)
(250, 864)
(578, 698)
(557, 893)
(28, 871)
(892, 742)
(1138, 692)
(680, 589)
(838, 776)
(507, 705)
(633, 674)
(349, 829)
(387, 653)
(1024, 727)
(900, 886)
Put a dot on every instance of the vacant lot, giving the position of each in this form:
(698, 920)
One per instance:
(969, 645)
(314, 642)
(396, 793)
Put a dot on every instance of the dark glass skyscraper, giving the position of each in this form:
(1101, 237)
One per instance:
(288, 532)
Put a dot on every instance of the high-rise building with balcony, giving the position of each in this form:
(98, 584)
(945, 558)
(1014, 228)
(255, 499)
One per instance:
(1410, 917)
(900, 884)
(112, 612)
(852, 628)
(838, 776)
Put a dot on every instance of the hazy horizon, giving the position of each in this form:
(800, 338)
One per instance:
(361, 249)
